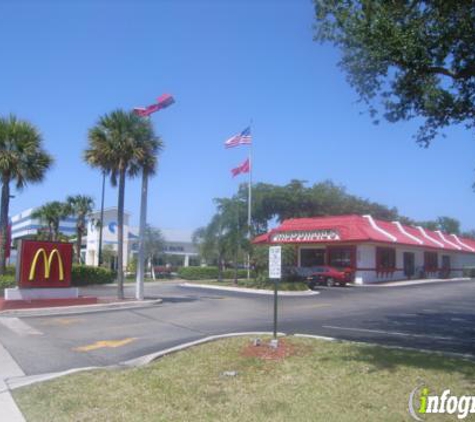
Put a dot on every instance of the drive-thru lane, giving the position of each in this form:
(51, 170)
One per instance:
(433, 317)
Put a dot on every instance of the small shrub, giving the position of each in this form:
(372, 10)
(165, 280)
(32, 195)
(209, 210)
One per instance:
(207, 273)
(229, 274)
(269, 284)
(6, 281)
(469, 272)
(198, 273)
(84, 275)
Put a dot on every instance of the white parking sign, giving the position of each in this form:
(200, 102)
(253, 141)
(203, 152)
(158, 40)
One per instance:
(275, 262)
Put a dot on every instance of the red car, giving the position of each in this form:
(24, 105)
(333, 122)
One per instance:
(330, 276)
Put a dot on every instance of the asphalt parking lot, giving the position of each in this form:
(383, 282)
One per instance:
(435, 317)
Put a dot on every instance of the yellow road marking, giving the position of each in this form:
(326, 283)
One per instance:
(105, 343)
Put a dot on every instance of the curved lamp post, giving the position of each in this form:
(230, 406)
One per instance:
(163, 101)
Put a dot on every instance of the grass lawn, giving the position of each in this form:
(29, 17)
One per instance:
(252, 284)
(317, 381)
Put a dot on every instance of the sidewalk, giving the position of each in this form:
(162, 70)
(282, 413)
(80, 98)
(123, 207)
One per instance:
(107, 304)
(412, 282)
(9, 368)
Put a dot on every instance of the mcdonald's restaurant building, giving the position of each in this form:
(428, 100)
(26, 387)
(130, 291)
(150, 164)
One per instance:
(376, 250)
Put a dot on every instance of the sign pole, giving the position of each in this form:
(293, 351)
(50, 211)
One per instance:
(275, 273)
(276, 285)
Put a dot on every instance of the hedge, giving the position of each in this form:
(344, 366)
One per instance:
(207, 273)
(469, 272)
(6, 281)
(83, 275)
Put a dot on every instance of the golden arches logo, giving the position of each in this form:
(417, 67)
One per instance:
(47, 263)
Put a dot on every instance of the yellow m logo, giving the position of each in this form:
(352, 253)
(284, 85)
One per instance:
(47, 263)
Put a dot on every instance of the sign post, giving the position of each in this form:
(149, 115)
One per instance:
(275, 273)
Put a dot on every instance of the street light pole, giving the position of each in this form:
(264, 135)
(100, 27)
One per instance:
(139, 287)
(99, 259)
(163, 101)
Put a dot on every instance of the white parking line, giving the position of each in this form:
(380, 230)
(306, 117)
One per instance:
(392, 333)
(19, 327)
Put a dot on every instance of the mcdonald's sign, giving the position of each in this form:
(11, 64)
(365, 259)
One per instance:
(44, 264)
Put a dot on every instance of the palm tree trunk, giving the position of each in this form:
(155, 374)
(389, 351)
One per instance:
(78, 245)
(5, 202)
(120, 235)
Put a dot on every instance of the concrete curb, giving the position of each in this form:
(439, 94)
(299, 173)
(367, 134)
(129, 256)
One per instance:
(9, 410)
(412, 282)
(23, 381)
(465, 356)
(15, 382)
(80, 309)
(247, 290)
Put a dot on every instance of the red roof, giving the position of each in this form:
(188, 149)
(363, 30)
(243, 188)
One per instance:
(357, 228)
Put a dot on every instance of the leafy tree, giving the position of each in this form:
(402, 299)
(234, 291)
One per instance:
(444, 224)
(23, 160)
(448, 225)
(296, 200)
(224, 239)
(80, 206)
(121, 144)
(154, 244)
(429, 225)
(410, 58)
(109, 256)
(469, 234)
(51, 214)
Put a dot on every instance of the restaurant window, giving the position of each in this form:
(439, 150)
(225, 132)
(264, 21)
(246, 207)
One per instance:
(341, 257)
(430, 262)
(385, 259)
(312, 257)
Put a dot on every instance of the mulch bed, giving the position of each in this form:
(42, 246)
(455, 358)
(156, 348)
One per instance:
(266, 352)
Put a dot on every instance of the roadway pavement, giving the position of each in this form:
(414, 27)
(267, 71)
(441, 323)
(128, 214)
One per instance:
(436, 317)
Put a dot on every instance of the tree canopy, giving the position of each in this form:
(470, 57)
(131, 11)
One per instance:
(412, 58)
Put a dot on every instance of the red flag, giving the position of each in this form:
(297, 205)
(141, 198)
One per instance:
(243, 168)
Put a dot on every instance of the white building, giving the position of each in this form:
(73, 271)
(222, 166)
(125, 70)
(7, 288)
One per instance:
(177, 242)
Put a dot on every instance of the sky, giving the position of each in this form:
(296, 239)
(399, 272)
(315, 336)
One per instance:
(226, 62)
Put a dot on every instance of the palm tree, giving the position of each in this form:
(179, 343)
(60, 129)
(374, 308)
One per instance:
(121, 144)
(51, 214)
(80, 206)
(22, 161)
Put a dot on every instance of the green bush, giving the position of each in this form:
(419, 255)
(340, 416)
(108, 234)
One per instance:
(230, 274)
(469, 272)
(84, 275)
(7, 281)
(269, 285)
(10, 270)
(198, 273)
(207, 273)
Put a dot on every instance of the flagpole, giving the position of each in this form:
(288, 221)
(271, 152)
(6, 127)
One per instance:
(249, 203)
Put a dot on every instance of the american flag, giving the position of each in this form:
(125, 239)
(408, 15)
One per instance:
(243, 168)
(243, 138)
